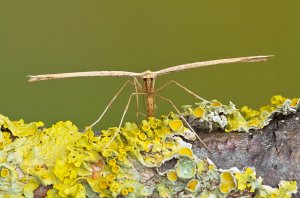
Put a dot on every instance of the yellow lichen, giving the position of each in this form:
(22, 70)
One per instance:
(187, 152)
(37, 168)
(121, 158)
(164, 191)
(128, 148)
(131, 189)
(115, 169)
(122, 151)
(153, 125)
(103, 184)
(172, 176)
(110, 177)
(192, 185)
(106, 153)
(6, 135)
(254, 122)
(216, 104)
(76, 190)
(29, 188)
(227, 182)
(136, 132)
(278, 100)
(142, 136)
(198, 112)
(4, 172)
(201, 167)
(112, 162)
(236, 122)
(19, 128)
(124, 192)
(145, 127)
(76, 157)
(176, 125)
(286, 189)
(82, 160)
(211, 167)
(249, 113)
(114, 187)
(294, 102)
(244, 179)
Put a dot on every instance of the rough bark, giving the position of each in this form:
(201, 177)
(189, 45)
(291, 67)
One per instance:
(274, 151)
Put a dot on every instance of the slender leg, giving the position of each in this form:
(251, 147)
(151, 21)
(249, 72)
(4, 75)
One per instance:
(183, 87)
(144, 115)
(137, 101)
(140, 87)
(186, 122)
(121, 122)
(109, 105)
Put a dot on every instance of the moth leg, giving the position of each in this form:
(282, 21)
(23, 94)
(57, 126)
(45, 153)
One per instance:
(137, 100)
(183, 87)
(141, 90)
(182, 117)
(140, 87)
(109, 105)
(122, 119)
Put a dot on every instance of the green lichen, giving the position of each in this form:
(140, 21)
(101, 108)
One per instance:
(185, 168)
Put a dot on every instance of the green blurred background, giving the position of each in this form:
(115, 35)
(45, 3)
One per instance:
(38, 37)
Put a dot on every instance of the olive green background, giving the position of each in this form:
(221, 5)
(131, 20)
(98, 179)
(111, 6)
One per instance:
(38, 37)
